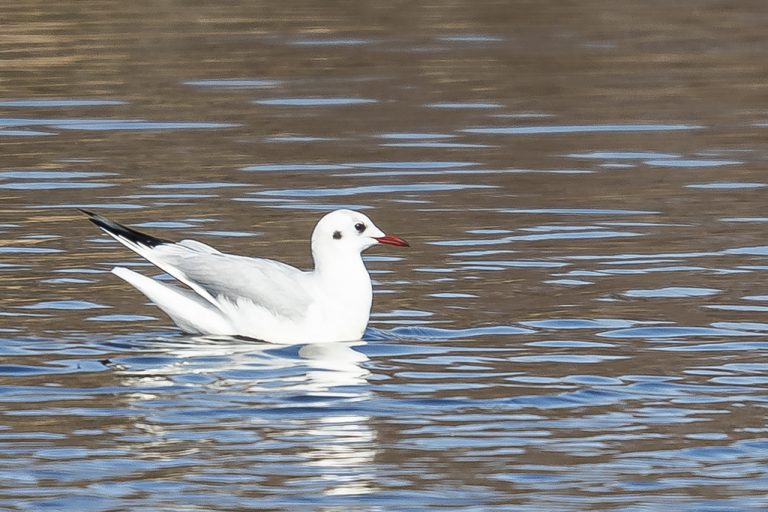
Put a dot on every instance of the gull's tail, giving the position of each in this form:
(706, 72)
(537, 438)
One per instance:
(195, 312)
(124, 234)
(187, 310)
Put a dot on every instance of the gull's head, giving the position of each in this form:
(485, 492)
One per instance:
(347, 231)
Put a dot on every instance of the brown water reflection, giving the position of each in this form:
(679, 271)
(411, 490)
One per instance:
(578, 326)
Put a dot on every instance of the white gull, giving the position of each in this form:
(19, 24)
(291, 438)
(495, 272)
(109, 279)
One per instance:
(260, 298)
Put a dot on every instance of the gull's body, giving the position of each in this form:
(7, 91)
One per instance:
(261, 298)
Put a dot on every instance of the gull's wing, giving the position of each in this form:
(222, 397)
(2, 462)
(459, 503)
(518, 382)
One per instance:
(215, 276)
(275, 286)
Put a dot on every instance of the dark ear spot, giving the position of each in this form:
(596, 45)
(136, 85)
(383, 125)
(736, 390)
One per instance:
(337, 235)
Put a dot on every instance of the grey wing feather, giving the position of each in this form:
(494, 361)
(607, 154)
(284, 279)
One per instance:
(196, 246)
(275, 286)
(216, 276)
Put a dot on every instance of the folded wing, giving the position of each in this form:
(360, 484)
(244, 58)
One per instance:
(272, 285)
(217, 277)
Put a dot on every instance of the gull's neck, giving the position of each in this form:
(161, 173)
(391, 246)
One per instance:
(340, 265)
(344, 290)
(344, 278)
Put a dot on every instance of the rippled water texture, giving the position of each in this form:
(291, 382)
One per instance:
(581, 323)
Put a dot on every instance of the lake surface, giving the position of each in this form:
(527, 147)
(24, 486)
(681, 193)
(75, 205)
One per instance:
(581, 323)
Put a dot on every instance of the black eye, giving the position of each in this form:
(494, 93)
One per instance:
(337, 235)
(360, 227)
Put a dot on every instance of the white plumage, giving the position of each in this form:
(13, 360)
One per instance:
(261, 298)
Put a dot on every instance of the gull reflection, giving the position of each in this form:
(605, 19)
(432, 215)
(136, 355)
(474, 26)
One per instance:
(321, 366)
(299, 399)
(334, 364)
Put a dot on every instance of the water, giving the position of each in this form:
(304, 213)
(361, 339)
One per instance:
(579, 324)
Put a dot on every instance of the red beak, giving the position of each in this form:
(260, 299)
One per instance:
(392, 240)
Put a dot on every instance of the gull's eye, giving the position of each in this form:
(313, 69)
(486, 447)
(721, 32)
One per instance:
(360, 227)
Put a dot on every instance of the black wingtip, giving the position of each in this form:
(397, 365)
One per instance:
(125, 232)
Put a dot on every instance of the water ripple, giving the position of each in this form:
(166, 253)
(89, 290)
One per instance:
(111, 124)
(589, 128)
(314, 102)
(672, 292)
(672, 332)
(371, 189)
(626, 155)
(233, 83)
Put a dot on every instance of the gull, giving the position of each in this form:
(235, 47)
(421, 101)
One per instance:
(268, 300)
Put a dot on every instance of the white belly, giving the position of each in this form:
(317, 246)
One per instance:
(330, 319)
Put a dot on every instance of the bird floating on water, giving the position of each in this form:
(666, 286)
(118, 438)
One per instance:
(261, 298)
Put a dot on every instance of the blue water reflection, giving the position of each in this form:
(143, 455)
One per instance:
(64, 102)
(314, 102)
(596, 128)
